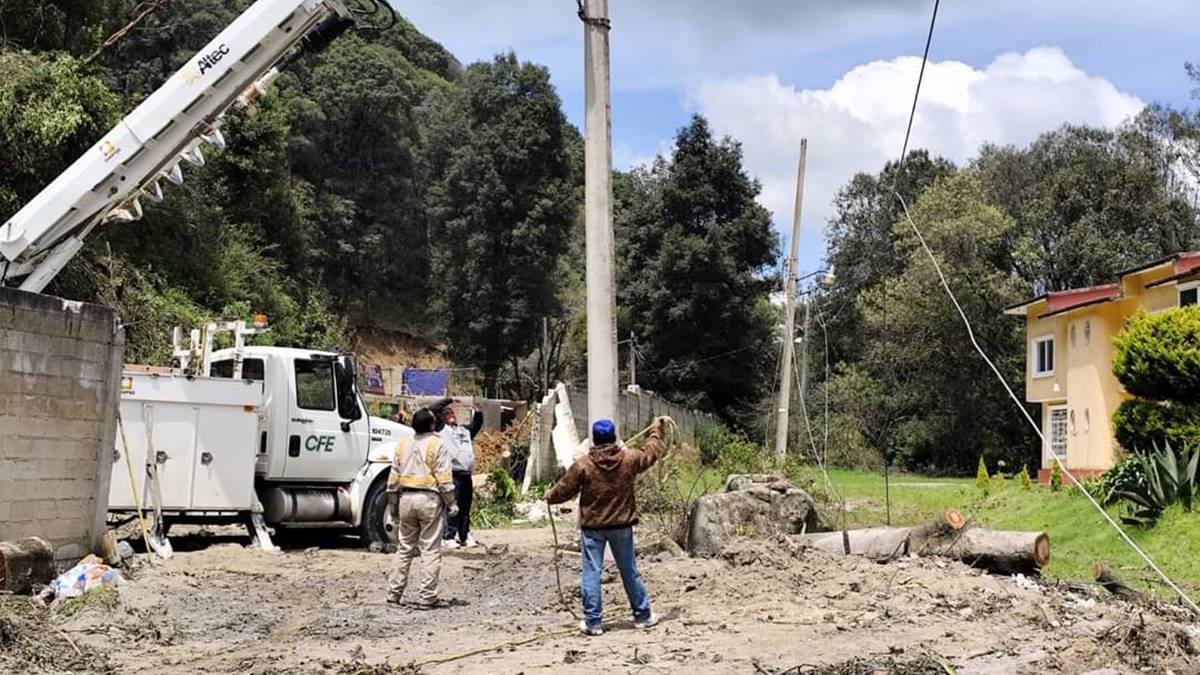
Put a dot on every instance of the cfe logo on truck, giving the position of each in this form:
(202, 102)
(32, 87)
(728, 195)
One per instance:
(319, 443)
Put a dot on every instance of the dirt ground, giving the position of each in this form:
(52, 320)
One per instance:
(764, 607)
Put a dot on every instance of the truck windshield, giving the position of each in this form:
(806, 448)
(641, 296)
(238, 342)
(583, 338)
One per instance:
(252, 369)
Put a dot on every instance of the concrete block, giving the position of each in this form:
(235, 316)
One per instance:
(10, 339)
(96, 331)
(24, 510)
(19, 405)
(20, 447)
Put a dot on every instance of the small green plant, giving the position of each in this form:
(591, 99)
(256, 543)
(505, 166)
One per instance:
(538, 490)
(1171, 478)
(1026, 481)
(1127, 475)
(999, 481)
(505, 488)
(982, 479)
(1056, 477)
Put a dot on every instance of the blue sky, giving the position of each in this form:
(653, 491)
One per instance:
(841, 72)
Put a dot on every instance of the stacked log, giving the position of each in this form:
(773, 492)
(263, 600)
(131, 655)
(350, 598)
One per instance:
(997, 551)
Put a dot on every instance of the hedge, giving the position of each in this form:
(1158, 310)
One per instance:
(1158, 355)
(1142, 425)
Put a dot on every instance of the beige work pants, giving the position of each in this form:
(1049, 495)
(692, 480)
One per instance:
(419, 523)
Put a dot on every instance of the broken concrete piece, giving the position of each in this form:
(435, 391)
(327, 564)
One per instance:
(25, 563)
(756, 510)
(534, 512)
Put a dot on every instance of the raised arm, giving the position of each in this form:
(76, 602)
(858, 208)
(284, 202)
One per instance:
(568, 486)
(653, 448)
(476, 421)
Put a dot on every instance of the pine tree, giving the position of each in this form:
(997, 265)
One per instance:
(1056, 477)
(1026, 481)
(982, 480)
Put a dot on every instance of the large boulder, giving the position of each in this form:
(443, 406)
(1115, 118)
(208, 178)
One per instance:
(758, 509)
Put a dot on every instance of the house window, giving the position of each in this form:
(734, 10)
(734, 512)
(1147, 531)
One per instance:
(1188, 294)
(1056, 436)
(1043, 356)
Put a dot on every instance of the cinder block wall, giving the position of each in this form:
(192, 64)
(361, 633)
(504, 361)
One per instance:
(60, 371)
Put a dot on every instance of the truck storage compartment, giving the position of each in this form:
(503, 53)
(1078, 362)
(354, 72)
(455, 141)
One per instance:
(203, 434)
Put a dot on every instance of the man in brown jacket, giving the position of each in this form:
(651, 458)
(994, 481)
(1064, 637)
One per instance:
(604, 480)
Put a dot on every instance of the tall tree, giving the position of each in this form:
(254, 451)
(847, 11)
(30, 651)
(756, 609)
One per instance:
(500, 209)
(75, 26)
(1087, 203)
(862, 240)
(946, 405)
(696, 251)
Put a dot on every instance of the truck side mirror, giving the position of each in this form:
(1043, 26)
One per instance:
(348, 408)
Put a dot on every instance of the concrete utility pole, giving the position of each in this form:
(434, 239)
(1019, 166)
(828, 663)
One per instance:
(789, 328)
(601, 264)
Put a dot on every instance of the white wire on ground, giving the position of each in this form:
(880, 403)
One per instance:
(1036, 427)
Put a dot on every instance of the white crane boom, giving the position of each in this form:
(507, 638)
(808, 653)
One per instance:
(167, 130)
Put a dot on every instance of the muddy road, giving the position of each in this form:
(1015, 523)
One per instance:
(764, 607)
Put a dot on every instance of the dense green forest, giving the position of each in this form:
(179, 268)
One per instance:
(384, 185)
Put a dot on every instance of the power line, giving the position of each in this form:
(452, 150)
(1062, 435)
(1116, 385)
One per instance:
(912, 113)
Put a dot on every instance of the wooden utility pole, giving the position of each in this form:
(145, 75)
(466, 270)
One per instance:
(789, 324)
(601, 264)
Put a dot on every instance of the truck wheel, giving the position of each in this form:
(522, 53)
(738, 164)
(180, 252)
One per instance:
(378, 529)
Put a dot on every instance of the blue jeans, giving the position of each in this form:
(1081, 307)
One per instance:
(591, 546)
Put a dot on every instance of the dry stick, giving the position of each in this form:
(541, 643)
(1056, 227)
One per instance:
(562, 598)
(417, 665)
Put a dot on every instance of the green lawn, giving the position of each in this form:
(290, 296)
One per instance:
(1078, 534)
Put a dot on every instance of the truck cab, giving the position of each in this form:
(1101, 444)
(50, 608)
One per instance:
(314, 425)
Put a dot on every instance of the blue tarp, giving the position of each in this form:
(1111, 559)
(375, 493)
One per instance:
(418, 382)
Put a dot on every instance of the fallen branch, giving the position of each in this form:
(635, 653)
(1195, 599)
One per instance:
(1112, 583)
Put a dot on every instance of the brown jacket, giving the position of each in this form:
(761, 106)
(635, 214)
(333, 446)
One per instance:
(604, 480)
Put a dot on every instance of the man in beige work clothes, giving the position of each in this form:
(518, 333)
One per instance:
(421, 489)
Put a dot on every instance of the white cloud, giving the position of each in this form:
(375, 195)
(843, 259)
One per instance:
(858, 123)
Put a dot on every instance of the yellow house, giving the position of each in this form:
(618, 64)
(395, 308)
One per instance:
(1069, 353)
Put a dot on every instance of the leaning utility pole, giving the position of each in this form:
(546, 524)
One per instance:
(789, 329)
(601, 265)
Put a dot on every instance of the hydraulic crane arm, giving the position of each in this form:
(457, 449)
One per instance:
(167, 131)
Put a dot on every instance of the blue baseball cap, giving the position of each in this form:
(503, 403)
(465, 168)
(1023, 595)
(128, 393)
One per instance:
(604, 432)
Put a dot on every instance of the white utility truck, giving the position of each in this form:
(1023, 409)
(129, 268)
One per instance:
(272, 435)
(268, 436)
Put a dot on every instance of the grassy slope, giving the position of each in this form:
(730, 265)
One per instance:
(1078, 534)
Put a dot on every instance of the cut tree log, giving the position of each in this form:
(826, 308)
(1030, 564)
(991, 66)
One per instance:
(1113, 584)
(997, 551)
(24, 563)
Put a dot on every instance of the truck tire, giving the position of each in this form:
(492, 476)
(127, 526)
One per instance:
(378, 528)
